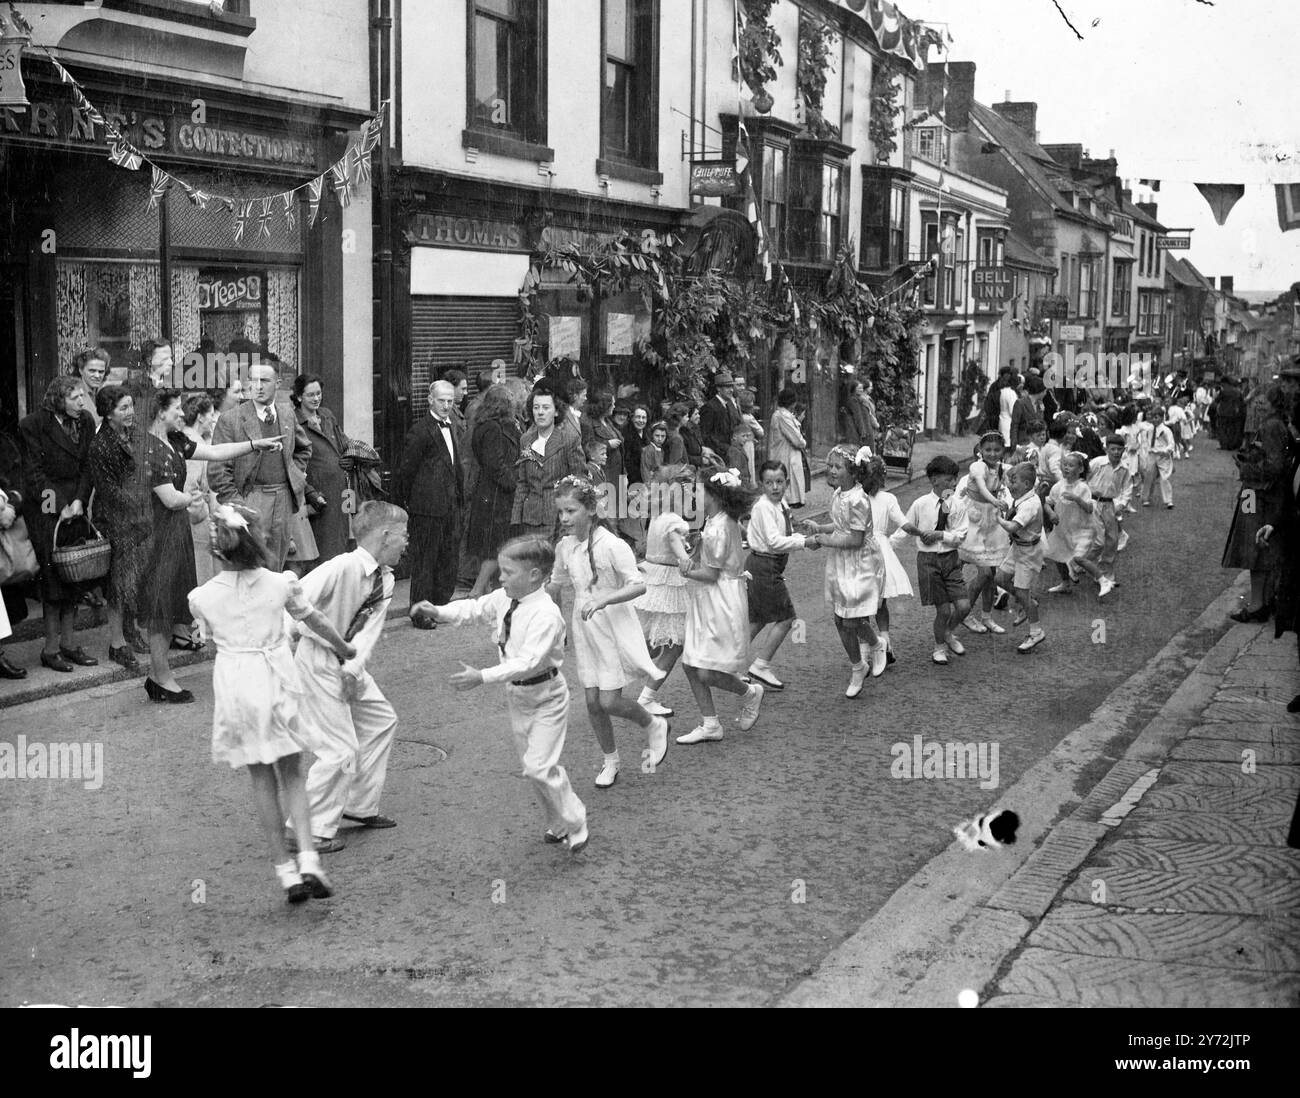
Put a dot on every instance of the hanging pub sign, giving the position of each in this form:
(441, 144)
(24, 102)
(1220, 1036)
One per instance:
(992, 283)
(714, 178)
(1173, 241)
(13, 92)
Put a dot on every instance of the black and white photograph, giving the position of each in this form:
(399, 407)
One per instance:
(650, 503)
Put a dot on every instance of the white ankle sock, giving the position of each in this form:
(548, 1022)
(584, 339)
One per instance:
(859, 666)
(612, 759)
(647, 695)
(760, 665)
(712, 723)
(309, 862)
(288, 874)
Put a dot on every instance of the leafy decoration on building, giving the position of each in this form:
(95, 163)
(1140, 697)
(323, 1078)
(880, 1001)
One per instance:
(885, 107)
(759, 53)
(817, 38)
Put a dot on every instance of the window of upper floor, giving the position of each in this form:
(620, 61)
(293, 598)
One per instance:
(506, 55)
(629, 116)
(933, 143)
(818, 200)
(232, 16)
(884, 219)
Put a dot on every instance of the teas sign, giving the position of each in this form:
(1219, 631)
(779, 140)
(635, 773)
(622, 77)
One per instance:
(992, 283)
(714, 178)
(13, 93)
(230, 293)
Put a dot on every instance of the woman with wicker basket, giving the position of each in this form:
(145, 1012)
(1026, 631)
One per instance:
(167, 574)
(56, 442)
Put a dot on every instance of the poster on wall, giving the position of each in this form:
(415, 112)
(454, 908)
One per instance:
(620, 329)
(565, 337)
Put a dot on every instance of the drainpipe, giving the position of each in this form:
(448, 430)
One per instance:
(381, 26)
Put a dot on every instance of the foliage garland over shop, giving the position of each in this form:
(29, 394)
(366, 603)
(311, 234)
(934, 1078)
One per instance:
(882, 128)
(816, 40)
(701, 320)
(759, 52)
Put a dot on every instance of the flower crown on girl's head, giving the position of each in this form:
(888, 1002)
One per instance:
(726, 478)
(227, 516)
(859, 456)
(580, 484)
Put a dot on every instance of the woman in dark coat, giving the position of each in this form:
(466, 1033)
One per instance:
(13, 594)
(548, 452)
(495, 443)
(854, 428)
(1230, 415)
(327, 482)
(56, 447)
(598, 426)
(1261, 501)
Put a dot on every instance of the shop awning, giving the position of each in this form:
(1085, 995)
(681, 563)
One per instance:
(455, 273)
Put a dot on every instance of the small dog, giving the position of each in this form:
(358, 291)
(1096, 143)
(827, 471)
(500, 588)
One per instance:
(988, 832)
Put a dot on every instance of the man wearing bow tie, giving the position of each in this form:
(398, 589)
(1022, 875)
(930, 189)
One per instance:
(430, 483)
(272, 482)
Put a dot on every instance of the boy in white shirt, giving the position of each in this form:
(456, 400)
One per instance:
(529, 632)
(939, 526)
(1109, 482)
(1024, 563)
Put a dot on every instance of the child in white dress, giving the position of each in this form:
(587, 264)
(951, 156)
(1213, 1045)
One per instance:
(662, 609)
(855, 567)
(717, 624)
(1074, 535)
(886, 517)
(608, 645)
(256, 686)
(986, 498)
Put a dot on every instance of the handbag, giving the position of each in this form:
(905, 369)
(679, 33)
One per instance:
(17, 557)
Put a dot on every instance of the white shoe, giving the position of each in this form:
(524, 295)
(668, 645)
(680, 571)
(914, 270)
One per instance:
(655, 709)
(700, 734)
(993, 627)
(608, 775)
(879, 659)
(1059, 589)
(1035, 638)
(658, 740)
(577, 839)
(1123, 541)
(954, 645)
(939, 655)
(974, 624)
(1106, 586)
(857, 677)
(749, 711)
(766, 679)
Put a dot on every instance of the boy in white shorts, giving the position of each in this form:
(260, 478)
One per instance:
(1025, 560)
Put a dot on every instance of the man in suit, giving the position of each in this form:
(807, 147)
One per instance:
(273, 483)
(430, 483)
(720, 416)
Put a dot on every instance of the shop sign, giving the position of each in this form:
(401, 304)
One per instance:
(66, 124)
(1173, 241)
(13, 92)
(483, 234)
(230, 293)
(1071, 333)
(714, 178)
(556, 236)
(992, 283)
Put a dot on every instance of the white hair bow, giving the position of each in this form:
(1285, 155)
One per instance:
(228, 516)
(863, 455)
(730, 478)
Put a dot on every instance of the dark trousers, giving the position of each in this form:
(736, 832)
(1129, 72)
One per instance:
(435, 557)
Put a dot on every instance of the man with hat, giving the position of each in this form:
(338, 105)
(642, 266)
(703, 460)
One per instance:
(720, 416)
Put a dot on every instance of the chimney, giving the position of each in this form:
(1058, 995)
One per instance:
(1128, 195)
(1069, 156)
(1023, 116)
(1148, 208)
(1225, 284)
(961, 90)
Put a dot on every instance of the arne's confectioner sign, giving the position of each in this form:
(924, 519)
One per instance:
(151, 132)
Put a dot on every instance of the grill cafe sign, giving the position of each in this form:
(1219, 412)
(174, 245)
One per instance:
(63, 123)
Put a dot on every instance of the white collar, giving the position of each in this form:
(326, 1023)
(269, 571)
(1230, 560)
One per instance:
(368, 562)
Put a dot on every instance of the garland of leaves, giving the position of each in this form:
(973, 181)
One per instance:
(759, 52)
(816, 40)
(882, 128)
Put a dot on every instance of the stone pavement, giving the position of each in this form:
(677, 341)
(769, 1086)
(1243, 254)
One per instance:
(25, 647)
(1169, 884)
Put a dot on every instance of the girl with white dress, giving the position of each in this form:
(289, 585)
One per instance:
(255, 686)
(717, 624)
(855, 566)
(886, 517)
(986, 498)
(1072, 539)
(662, 609)
(608, 645)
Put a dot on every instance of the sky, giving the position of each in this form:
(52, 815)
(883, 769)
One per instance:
(1183, 91)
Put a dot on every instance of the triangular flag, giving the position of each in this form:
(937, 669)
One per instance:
(1221, 197)
(241, 219)
(290, 200)
(370, 134)
(1154, 184)
(124, 155)
(1288, 206)
(264, 219)
(198, 197)
(359, 163)
(158, 188)
(341, 183)
(313, 199)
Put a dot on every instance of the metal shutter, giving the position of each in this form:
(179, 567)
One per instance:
(466, 333)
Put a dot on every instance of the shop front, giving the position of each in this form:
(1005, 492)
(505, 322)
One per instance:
(90, 261)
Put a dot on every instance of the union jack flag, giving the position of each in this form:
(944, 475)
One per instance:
(290, 200)
(359, 166)
(752, 209)
(241, 220)
(123, 154)
(313, 199)
(370, 134)
(264, 219)
(158, 188)
(341, 182)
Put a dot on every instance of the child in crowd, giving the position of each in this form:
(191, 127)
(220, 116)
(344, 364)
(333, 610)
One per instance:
(1074, 530)
(529, 634)
(662, 609)
(771, 540)
(597, 458)
(985, 497)
(1131, 431)
(717, 623)
(939, 528)
(1161, 461)
(608, 644)
(652, 454)
(1029, 451)
(1108, 481)
(886, 517)
(1020, 570)
(1187, 424)
(1176, 418)
(855, 566)
(256, 686)
(747, 413)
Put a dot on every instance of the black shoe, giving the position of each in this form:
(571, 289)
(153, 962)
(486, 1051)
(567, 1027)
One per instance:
(10, 670)
(371, 821)
(124, 656)
(423, 621)
(55, 662)
(890, 657)
(1247, 616)
(162, 694)
(79, 657)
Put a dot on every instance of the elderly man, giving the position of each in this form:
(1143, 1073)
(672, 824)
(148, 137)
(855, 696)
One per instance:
(430, 484)
(273, 483)
(720, 416)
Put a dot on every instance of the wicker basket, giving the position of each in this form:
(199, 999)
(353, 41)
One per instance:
(84, 562)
